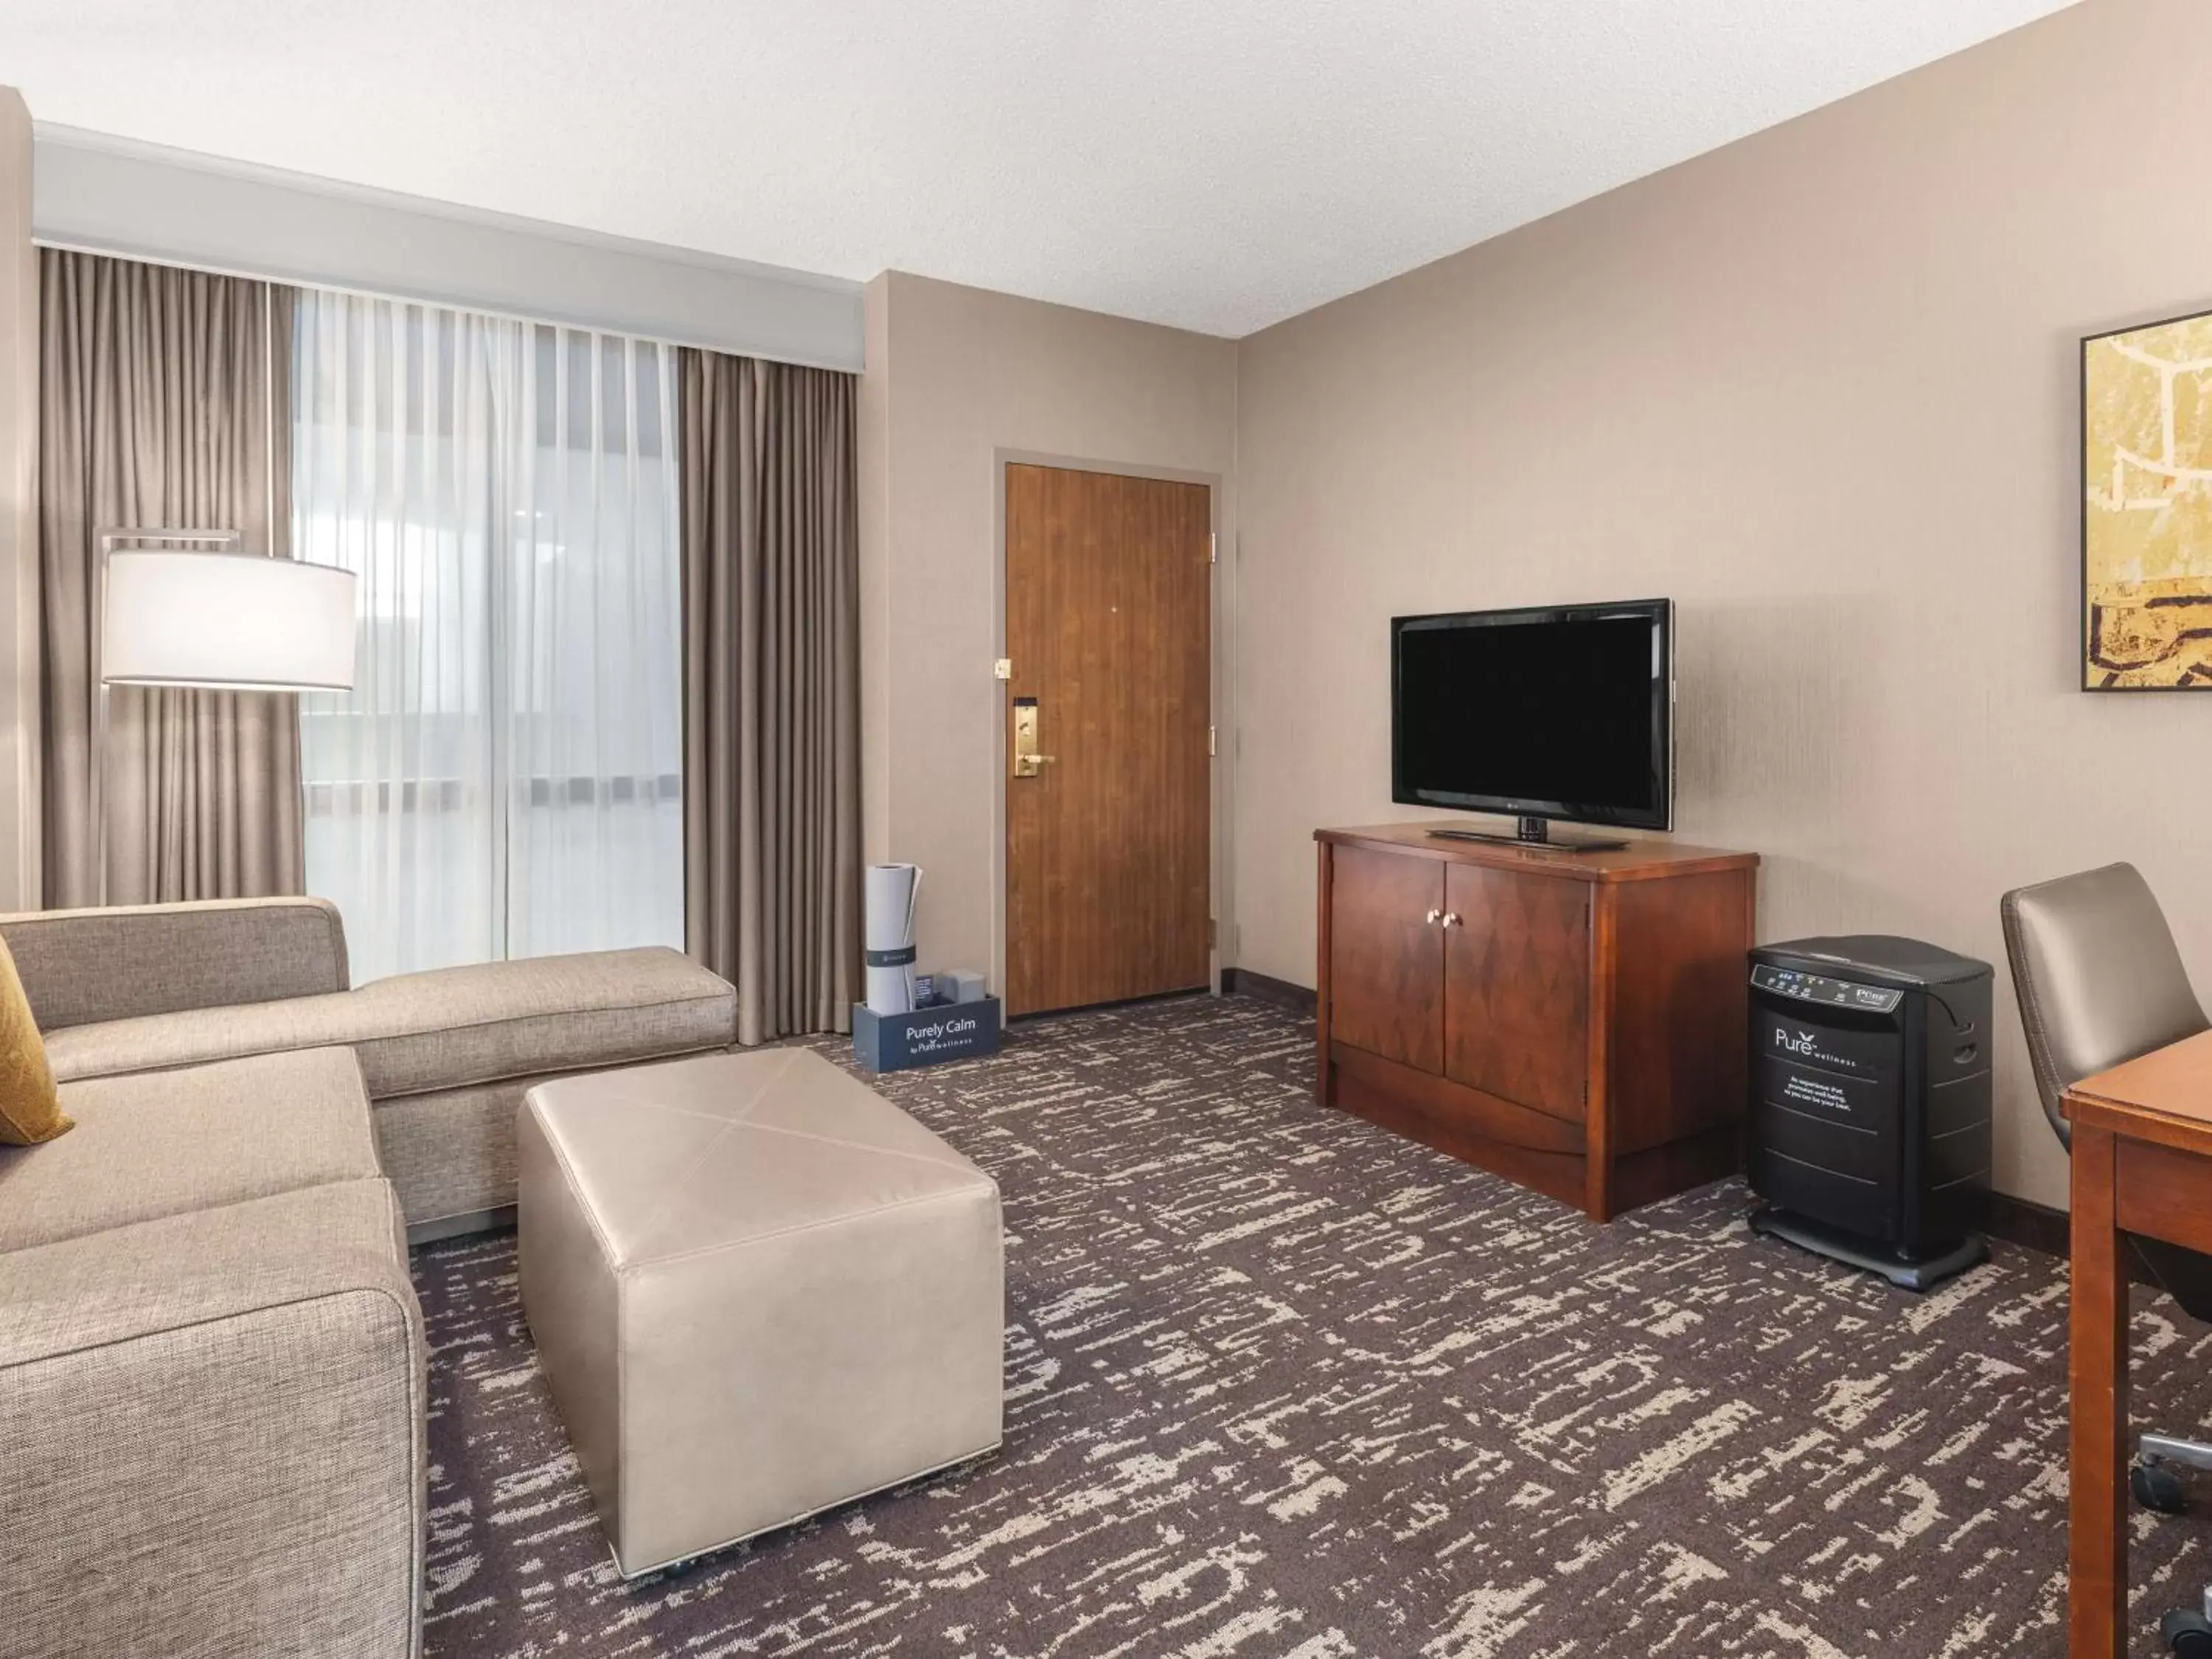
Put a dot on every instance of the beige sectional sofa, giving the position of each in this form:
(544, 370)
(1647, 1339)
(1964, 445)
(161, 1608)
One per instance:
(211, 1363)
(446, 1054)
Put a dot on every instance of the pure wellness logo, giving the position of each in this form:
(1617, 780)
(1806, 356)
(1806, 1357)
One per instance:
(1806, 1045)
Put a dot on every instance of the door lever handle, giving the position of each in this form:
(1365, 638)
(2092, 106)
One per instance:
(1027, 762)
(1435, 916)
(1451, 919)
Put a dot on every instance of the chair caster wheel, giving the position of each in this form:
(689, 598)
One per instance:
(2157, 1487)
(2187, 1635)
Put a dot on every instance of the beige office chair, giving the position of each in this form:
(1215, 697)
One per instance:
(2101, 982)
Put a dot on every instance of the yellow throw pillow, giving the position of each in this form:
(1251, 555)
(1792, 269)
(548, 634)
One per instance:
(30, 1110)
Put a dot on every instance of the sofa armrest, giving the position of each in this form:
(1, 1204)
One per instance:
(211, 1435)
(83, 966)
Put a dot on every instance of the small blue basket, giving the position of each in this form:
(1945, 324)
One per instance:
(954, 1030)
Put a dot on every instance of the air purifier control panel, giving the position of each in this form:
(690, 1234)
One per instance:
(1832, 992)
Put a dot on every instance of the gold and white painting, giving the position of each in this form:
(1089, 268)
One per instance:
(2147, 521)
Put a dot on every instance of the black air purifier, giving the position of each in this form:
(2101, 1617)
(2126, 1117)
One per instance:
(1870, 1103)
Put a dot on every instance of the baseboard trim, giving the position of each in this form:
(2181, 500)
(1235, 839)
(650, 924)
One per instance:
(1012, 1020)
(2024, 1222)
(2035, 1226)
(1243, 982)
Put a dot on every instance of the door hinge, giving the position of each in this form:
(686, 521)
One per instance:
(1213, 548)
(1003, 669)
(1209, 932)
(1210, 748)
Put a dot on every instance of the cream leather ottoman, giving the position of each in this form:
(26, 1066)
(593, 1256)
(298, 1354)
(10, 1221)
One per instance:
(757, 1289)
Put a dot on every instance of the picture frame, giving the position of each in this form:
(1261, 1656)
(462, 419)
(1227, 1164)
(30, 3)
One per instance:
(2147, 506)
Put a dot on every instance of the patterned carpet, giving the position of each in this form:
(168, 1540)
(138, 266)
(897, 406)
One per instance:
(1282, 1386)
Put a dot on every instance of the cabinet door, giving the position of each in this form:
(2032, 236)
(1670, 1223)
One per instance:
(1386, 957)
(1517, 987)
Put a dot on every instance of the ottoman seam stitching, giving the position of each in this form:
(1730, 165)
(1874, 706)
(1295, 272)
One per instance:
(576, 1186)
(730, 1125)
(956, 1162)
(740, 1120)
(569, 1179)
(801, 1227)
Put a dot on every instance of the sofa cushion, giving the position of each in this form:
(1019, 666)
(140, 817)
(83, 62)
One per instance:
(29, 1112)
(180, 1271)
(446, 1029)
(156, 1146)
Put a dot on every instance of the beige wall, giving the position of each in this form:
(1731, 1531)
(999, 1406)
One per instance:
(957, 380)
(1820, 387)
(19, 519)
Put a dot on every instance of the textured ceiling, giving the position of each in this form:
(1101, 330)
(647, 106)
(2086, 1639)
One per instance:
(1219, 166)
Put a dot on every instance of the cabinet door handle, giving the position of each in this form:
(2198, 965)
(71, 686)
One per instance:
(1451, 919)
(1435, 916)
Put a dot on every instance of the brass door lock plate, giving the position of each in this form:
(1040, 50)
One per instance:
(1027, 762)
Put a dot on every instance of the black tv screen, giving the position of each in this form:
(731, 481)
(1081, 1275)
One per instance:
(1561, 712)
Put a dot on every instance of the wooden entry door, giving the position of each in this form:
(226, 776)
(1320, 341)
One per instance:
(1109, 628)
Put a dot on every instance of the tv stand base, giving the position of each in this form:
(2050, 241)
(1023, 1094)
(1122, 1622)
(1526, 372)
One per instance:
(1527, 1147)
(1532, 832)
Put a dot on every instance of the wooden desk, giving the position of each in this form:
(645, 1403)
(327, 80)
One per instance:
(2142, 1164)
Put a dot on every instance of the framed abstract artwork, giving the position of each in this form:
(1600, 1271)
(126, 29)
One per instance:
(2147, 507)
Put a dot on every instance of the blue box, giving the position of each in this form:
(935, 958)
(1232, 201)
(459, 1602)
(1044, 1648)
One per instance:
(892, 1042)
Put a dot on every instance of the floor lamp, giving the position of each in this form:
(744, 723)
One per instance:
(199, 612)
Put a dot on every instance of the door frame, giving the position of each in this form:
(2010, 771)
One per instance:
(1220, 678)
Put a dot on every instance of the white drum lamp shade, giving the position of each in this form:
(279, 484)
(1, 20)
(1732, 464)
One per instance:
(235, 621)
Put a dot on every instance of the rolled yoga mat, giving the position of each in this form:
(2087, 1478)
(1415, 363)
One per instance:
(887, 935)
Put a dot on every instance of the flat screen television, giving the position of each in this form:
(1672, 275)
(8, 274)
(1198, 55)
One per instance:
(1552, 712)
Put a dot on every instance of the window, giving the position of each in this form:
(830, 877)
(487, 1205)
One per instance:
(505, 779)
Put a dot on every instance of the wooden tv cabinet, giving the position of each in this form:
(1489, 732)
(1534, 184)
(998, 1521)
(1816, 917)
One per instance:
(1575, 1022)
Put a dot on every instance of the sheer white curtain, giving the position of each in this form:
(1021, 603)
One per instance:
(504, 779)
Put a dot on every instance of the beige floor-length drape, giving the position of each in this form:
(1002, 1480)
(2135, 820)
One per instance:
(771, 688)
(160, 390)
